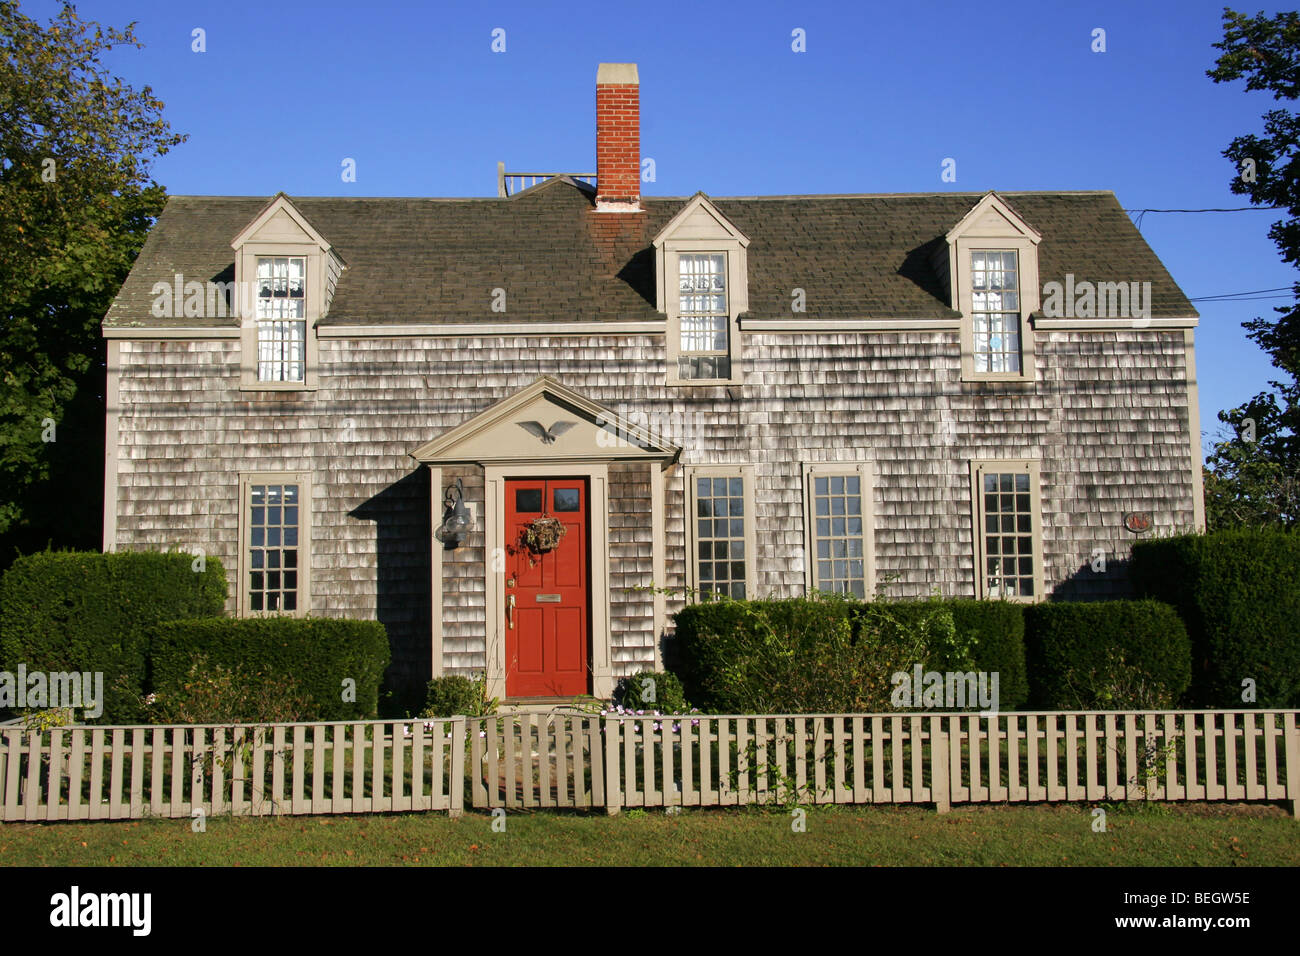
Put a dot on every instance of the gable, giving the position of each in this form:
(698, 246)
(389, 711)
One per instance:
(280, 227)
(545, 422)
(280, 222)
(700, 219)
(992, 218)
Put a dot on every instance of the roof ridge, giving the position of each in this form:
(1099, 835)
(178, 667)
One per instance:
(709, 196)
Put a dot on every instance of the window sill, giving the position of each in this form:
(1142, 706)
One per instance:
(1008, 378)
(712, 382)
(278, 386)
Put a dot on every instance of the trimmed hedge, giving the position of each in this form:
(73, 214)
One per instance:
(319, 653)
(85, 611)
(1108, 655)
(1238, 592)
(825, 641)
(714, 637)
(998, 629)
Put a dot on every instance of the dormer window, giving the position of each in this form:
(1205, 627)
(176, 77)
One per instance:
(993, 278)
(702, 311)
(281, 318)
(286, 273)
(995, 310)
(701, 287)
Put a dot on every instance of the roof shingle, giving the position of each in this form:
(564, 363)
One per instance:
(432, 261)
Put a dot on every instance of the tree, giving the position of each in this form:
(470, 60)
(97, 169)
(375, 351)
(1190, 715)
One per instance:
(76, 201)
(1254, 473)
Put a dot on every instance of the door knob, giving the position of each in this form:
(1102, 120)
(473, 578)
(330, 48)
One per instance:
(510, 611)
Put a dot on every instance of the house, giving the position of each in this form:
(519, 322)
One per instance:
(364, 406)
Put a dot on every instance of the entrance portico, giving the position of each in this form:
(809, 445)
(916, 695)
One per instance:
(546, 452)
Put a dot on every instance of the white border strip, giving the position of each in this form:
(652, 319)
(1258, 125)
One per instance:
(520, 329)
(813, 326)
(496, 328)
(175, 332)
(1094, 325)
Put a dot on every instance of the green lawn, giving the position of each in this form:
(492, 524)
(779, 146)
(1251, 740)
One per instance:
(1206, 835)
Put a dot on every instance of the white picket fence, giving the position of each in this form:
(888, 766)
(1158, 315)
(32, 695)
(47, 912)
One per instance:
(613, 761)
(117, 773)
(946, 759)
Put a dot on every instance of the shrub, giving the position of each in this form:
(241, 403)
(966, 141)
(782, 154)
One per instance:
(753, 656)
(1108, 655)
(832, 654)
(998, 631)
(84, 611)
(1238, 592)
(807, 655)
(454, 696)
(217, 694)
(987, 636)
(321, 654)
(652, 690)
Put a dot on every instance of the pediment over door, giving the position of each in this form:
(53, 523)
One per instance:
(547, 422)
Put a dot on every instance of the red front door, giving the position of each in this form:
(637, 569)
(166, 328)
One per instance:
(546, 593)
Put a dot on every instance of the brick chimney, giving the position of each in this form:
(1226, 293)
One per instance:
(618, 138)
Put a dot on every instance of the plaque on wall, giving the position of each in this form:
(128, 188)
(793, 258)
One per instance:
(1138, 521)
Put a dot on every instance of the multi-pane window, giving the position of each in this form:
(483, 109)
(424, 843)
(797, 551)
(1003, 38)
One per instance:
(702, 312)
(995, 311)
(838, 534)
(720, 540)
(1009, 530)
(281, 318)
(274, 526)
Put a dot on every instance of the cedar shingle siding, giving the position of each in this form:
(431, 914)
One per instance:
(1107, 416)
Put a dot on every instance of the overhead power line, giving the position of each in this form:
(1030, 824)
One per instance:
(1234, 209)
(1140, 213)
(1257, 298)
(1251, 296)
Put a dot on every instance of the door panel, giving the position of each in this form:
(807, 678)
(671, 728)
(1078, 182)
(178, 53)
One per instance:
(547, 648)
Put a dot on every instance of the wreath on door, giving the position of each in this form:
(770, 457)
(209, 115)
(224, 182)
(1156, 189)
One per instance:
(543, 534)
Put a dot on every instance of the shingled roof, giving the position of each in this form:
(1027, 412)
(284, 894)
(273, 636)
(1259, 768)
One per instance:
(432, 261)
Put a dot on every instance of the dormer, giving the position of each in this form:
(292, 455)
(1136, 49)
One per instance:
(286, 273)
(701, 285)
(993, 280)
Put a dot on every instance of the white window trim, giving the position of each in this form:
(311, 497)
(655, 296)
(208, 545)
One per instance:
(1004, 465)
(1027, 276)
(263, 321)
(689, 474)
(737, 302)
(303, 481)
(246, 279)
(863, 470)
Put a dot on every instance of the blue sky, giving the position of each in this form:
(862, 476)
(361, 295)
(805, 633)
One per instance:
(884, 92)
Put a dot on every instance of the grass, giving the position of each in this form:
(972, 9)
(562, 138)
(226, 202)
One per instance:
(1040, 835)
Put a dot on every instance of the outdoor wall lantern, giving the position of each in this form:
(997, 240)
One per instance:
(456, 519)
